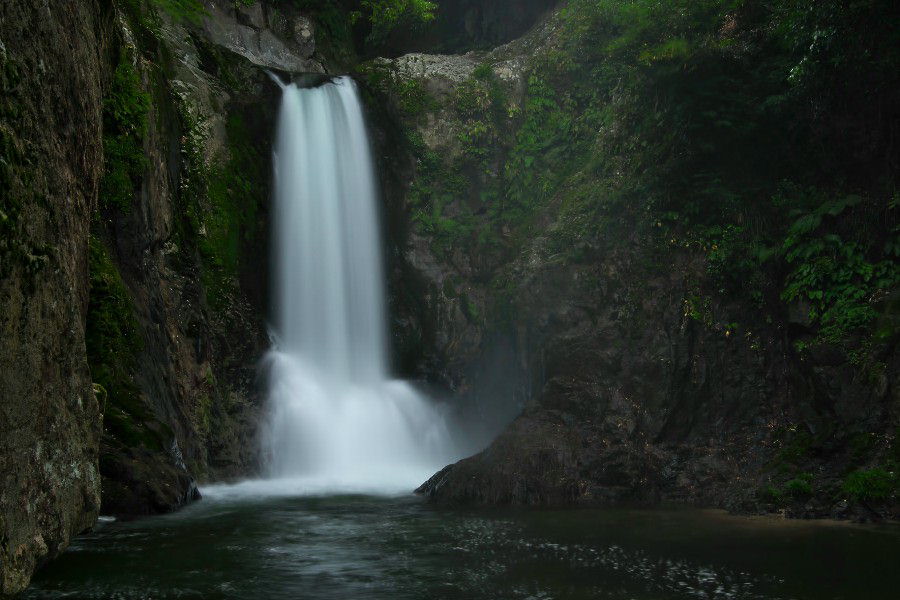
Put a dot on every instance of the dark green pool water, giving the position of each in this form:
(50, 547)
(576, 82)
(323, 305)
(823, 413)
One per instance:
(364, 547)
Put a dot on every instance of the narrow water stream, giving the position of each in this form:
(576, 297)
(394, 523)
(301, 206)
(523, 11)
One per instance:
(233, 545)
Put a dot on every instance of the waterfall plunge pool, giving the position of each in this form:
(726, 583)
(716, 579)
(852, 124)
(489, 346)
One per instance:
(234, 544)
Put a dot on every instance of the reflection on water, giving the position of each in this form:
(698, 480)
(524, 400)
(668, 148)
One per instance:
(233, 545)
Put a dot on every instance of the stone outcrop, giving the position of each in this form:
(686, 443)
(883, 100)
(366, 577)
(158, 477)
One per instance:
(268, 35)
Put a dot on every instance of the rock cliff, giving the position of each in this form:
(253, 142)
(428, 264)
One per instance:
(547, 211)
(50, 168)
(135, 142)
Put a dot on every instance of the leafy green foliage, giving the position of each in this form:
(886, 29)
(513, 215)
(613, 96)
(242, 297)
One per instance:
(144, 15)
(344, 24)
(219, 196)
(703, 127)
(442, 197)
(112, 334)
(408, 94)
(800, 487)
(673, 114)
(435, 187)
(870, 484)
(386, 15)
(797, 489)
(537, 162)
(125, 111)
(834, 276)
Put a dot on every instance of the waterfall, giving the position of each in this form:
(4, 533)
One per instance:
(337, 422)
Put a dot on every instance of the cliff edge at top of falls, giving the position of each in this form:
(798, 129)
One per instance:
(588, 239)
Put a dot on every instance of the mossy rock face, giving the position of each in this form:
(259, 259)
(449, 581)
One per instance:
(93, 137)
(188, 257)
(136, 462)
(609, 186)
(112, 335)
(125, 113)
(872, 485)
(51, 76)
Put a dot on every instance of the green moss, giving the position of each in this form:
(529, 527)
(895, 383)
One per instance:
(669, 120)
(220, 198)
(481, 104)
(191, 11)
(470, 309)
(436, 186)
(183, 10)
(384, 16)
(413, 98)
(800, 487)
(408, 94)
(235, 191)
(125, 121)
(113, 342)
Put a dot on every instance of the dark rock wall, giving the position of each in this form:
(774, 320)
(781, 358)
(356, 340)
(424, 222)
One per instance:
(201, 322)
(51, 69)
(635, 402)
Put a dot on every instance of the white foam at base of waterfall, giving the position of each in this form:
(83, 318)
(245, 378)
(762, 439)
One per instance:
(336, 423)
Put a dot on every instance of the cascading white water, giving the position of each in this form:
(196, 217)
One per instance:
(337, 422)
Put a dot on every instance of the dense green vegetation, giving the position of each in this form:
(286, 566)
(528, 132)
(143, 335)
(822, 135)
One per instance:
(754, 140)
(234, 191)
(386, 15)
(868, 485)
(113, 342)
(759, 133)
(125, 111)
(743, 126)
